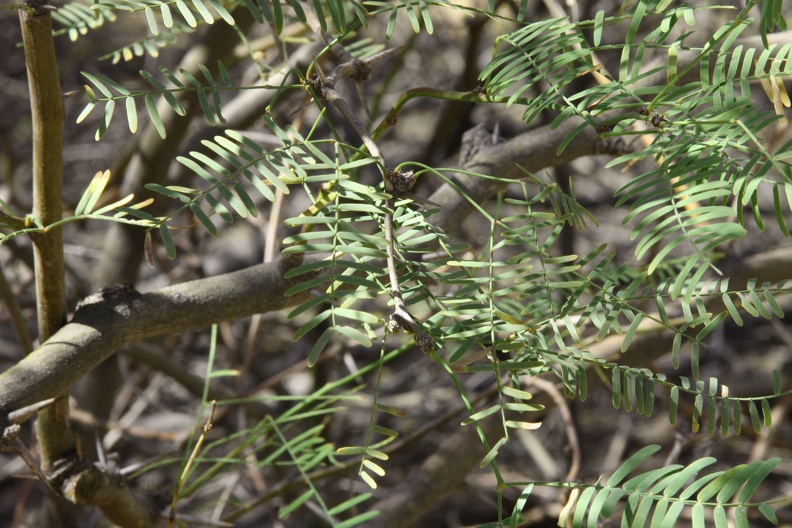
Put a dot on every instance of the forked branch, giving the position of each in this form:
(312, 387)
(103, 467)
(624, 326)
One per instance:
(396, 183)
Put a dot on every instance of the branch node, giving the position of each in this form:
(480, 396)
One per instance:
(399, 182)
(402, 319)
(8, 440)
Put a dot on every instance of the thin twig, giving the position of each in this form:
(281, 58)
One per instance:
(189, 464)
(10, 441)
(569, 424)
(15, 312)
(390, 449)
(324, 86)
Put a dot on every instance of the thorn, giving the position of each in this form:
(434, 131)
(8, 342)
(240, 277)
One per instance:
(25, 413)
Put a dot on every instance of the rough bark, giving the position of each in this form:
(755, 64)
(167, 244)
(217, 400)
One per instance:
(108, 320)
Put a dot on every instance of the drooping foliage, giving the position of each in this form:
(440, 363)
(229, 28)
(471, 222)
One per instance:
(518, 307)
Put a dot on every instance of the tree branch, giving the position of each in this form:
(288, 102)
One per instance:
(533, 150)
(108, 320)
(46, 105)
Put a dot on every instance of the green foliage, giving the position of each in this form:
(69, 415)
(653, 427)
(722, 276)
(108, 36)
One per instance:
(210, 89)
(518, 307)
(661, 495)
(78, 19)
(704, 134)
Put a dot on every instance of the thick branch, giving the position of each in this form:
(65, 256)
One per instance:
(533, 150)
(108, 320)
(107, 489)
(46, 105)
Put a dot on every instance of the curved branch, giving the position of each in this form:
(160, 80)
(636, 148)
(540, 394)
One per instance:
(114, 317)
(533, 151)
(117, 317)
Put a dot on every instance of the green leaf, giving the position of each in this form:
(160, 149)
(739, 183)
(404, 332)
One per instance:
(737, 416)
(675, 350)
(490, 456)
(351, 450)
(481, 414)
(107, 117)
(712, 325)
(516, 393)
(115, 205)
(354, 334)
(373, 453)
(316, 349)
(131, 112)
(374, 468)
(630, 464)
(771, 302)
(186, 13)
(92, 194)
(203, 11)
(95, 80)
(167, 18)
(223, 12)
(169, 192)
(630, 334)
(87, 110)
(358, 519)
(365, 476)
(596, 506)
(754, 475)
(756, 421)
(571, 136)
(152, 21)
(391, 22)
(167, 239)
(769, 513)
(581, 507)
(616, 390)
(356, 315)
(385, 431)
(203, 218)
(207, 75)
(427, 19)
(207, 110)
(767, 413)
(315, 320)
(598, 26)
(246, 200)
(349, 504)
(296, 503)
(151, 108)
(224, 75)
(413, 19)
(635, 21)
(732, 309)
